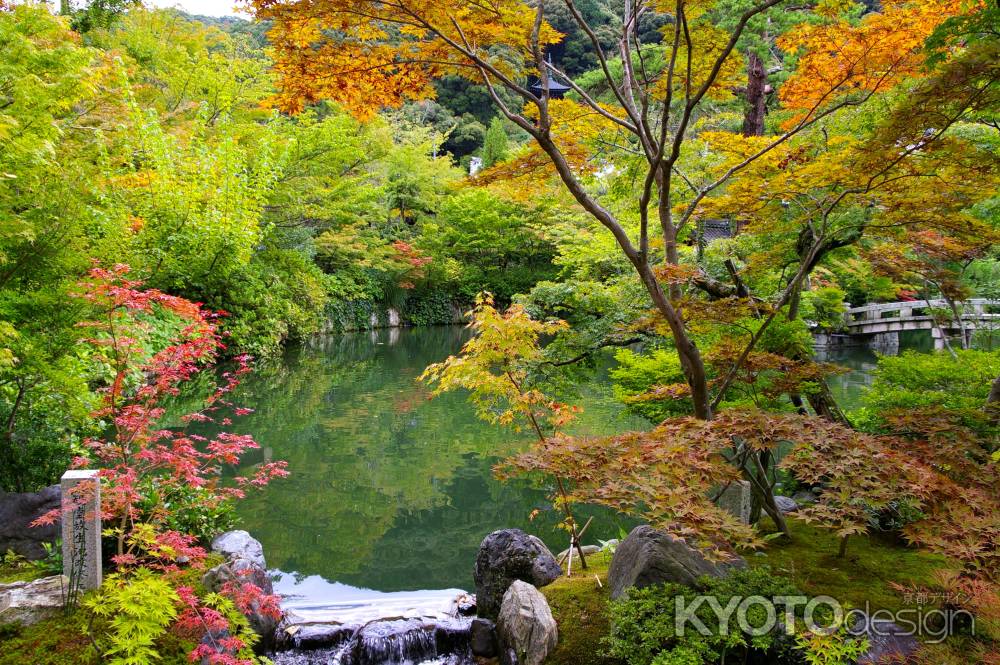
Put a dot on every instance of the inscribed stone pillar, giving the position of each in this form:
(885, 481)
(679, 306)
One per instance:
(81, 528)
(737, 499)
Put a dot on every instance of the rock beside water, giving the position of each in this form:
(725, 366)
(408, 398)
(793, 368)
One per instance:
(505, 556)
(647, 557)
(244, 563)
(525, 627)
(240, 545)
(483, 638)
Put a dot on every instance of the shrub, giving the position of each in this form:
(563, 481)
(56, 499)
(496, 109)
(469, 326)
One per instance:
(644, 624)
(934, 382)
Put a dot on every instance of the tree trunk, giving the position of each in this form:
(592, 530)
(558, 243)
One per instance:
(842, 552)
(753, 120)
(690, 357)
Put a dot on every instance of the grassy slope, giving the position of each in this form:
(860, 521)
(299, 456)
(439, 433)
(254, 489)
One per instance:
(579, 603)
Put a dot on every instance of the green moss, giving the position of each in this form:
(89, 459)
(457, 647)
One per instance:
(580, 607)
(62, 640)
(10, 574)
(56, 641)
(865, 575)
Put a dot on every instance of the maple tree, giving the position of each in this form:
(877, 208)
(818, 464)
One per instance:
(370, 55)
(148, 471)
(500, 367)
(141, 459)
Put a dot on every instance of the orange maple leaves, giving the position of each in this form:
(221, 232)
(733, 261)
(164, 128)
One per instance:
(839, 58)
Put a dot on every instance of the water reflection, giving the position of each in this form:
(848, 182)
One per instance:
(862, 361)
(393, 491)
(390, 490)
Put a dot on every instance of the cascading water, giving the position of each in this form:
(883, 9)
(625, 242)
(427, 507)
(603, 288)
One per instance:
(334, 624)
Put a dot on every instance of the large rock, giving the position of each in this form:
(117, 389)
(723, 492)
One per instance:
(25, 603)
(505, 556)
(647, 557)
(239, 571)
(525, 627)
(888, 643)
(244, 563)
(18, 511)
(804, 497)
(240, 545)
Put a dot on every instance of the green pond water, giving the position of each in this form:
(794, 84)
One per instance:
(391, 490)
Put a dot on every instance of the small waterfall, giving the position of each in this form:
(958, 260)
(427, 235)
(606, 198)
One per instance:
(328, 623)
(384, 642)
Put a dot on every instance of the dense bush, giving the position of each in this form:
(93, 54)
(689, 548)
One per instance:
(915, 381)
(644, 625)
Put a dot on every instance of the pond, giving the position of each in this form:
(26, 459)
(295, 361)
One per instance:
(391, 490)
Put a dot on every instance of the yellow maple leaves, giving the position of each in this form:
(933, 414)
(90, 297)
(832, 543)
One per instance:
(368, 55)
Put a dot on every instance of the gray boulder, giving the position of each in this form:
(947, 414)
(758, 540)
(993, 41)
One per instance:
(18, 511)
(525, 627)
(244, 563)
(587, 551)
(647, 557)
(786, 505)
(888, 643)
(505, 556)
(25, 603)
(240, 545)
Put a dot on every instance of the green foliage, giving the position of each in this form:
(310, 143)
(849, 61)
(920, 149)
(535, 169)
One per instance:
(928, 382)
(645, 632)
(636, 373)
(137, 609)
(482, 242)
(495, 146)
(831, 649)
(194, 511)
(428, 308)
(824, 307)
(499, 368)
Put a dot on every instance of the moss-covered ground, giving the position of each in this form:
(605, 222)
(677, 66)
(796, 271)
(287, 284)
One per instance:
(19, 571)
(580, 606)
(64, 639)
(868, 574)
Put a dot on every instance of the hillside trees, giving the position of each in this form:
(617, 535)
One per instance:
(656, 115)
